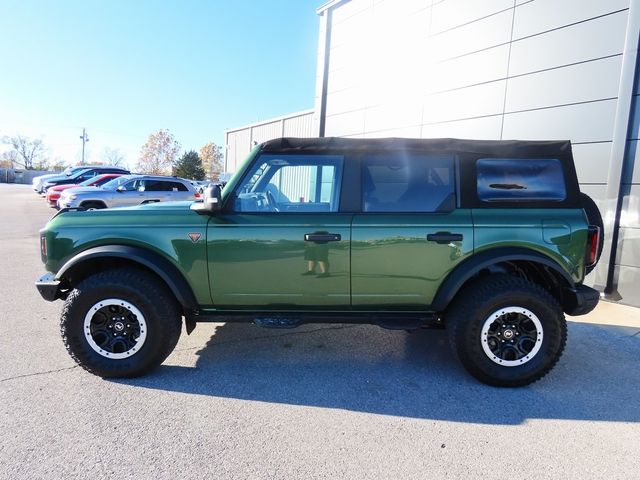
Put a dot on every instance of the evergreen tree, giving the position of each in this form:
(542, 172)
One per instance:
(189, 166)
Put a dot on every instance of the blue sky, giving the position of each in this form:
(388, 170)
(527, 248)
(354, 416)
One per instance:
(124, 69)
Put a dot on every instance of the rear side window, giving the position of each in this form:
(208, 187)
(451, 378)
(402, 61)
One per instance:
(408, 183)
(520, 180)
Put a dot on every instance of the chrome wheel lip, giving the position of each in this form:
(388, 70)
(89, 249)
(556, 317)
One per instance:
(496, 316)
(120, 303)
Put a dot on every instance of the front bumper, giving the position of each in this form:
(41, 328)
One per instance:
(580, 300)
(49, 287)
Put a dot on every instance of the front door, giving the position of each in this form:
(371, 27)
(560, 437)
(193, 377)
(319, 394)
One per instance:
(410, 233)
(281, 243)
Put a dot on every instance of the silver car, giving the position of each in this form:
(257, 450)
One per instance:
(129, 190)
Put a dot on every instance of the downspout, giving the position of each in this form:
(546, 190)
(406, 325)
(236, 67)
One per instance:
(327, 16)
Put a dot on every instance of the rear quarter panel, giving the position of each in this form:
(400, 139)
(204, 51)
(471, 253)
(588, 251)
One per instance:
(560, 234)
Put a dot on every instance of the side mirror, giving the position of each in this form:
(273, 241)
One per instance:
(120, 188)
(211, 201)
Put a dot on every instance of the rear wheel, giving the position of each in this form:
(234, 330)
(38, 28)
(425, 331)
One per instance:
(506, 331)
(120, 323)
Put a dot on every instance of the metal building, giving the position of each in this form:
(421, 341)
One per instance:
(240, 141)
(498, 69)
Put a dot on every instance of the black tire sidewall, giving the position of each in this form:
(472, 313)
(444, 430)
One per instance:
(467, 339)
(152, 352)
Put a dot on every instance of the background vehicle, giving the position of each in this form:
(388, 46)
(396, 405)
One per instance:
(53, 193)
(490, 239)
(80, 176)
(39, 181)
(131, 190)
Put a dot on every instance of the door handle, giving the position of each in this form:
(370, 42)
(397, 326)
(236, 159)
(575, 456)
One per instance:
(322, 237)
(444, 237)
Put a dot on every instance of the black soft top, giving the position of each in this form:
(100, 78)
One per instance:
(508, 148)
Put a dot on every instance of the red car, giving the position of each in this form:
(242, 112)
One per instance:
(53, 193)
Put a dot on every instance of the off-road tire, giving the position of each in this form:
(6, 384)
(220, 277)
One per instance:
(484, 296)
(595, 218)
(148, 294)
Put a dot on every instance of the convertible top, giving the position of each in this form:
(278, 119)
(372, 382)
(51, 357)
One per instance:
(506, 148)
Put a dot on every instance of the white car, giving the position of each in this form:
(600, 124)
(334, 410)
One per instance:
(129, 190)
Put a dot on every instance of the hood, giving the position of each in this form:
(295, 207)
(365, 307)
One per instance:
(79, 190)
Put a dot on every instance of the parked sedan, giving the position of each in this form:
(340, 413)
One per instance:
(53, 193)
(38, 182)
(133, 190)
(80, 176)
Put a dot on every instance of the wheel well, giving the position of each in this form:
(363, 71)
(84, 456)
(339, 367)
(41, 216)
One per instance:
(82, 270)
(549, 279)
(93, 202)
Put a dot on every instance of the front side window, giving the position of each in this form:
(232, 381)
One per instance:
(131, 186)
(407, 182)
(291, 183)
(520, 180)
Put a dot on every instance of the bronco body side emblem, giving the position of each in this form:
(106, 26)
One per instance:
(194, 236)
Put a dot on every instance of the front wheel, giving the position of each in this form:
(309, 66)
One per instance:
(120, 323)
(506, 331)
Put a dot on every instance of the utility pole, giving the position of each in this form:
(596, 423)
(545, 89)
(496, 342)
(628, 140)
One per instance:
(85, 139)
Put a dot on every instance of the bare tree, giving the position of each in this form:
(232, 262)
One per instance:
(211, 155)
(29, 152)
(8, 159)
(113, 157)
(158, 154)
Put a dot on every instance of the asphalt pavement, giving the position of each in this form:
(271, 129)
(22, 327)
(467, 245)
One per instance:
(321, 401)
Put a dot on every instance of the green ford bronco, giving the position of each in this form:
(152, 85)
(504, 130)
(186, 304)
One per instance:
(488, 239)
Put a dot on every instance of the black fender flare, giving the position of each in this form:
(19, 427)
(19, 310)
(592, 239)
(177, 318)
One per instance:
(470, 267)
(155, 262)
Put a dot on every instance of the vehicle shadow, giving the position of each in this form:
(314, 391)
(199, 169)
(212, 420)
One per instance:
(368, 369)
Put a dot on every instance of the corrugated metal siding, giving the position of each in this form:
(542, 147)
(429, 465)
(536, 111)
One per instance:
(240, 141)
(294, 182)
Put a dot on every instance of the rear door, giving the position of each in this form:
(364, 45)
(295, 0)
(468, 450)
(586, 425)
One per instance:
(410, 233)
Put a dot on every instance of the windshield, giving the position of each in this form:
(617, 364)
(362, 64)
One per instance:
(87, 182)
(114, 183)
(79, 173)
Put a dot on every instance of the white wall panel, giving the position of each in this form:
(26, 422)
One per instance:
(598, 193)
(452, 13)
(629, 248)
(488, 32)
(592, 161)
(630, 215)
(406, 132)
(577, 83)
(479, 67)
(543, 15)
(590, 122)
(477, 101)
(629, 284)
(346, 100)
(345, 124)
(487, 128)
(387, 116)
(569, 45)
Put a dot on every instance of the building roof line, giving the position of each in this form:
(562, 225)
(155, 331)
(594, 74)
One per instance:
(288, 116)
(330, 4)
